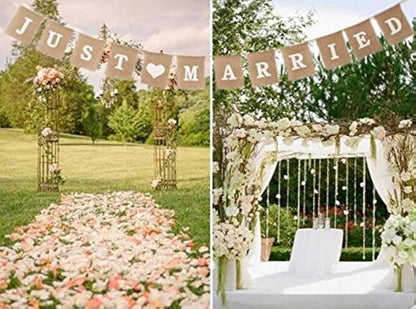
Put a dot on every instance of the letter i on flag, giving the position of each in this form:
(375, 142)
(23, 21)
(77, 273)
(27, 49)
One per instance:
(190, 72)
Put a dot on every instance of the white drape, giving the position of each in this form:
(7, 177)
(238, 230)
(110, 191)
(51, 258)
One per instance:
(378, 166)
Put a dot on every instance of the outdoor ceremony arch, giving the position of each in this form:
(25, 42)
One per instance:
(371, 150)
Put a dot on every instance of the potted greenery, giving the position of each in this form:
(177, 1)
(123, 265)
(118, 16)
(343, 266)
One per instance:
(268, 225)
(269, 229)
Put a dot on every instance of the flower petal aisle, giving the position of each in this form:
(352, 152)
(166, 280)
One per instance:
(112, 250)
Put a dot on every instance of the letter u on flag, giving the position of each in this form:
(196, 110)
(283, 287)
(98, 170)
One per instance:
(54, 40)
(24, 25)
(394, 25)
(190, 72)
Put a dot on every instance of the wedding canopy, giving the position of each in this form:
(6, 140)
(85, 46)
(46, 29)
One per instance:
(373, 150)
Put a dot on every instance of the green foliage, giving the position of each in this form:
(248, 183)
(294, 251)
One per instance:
(91, 123)
(347, 254)
(241, 27)
(288, 224)
(381, 86)
(124, 121)
(98, 168)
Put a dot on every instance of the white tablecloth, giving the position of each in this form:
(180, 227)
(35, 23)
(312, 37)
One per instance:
(315, 253)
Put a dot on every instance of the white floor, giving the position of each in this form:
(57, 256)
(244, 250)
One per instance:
(352, 286)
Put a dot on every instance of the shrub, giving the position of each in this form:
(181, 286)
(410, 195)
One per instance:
(288, 224)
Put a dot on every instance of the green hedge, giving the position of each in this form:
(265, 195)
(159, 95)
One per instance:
(348, 254)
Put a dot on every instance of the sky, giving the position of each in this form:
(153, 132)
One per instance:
(180, 27)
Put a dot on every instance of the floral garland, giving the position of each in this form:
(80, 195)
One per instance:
(237, 176)
(46, 80)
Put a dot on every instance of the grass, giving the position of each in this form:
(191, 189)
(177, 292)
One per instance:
(98, 168)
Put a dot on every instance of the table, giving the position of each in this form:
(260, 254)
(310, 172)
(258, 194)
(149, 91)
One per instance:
(315, 253)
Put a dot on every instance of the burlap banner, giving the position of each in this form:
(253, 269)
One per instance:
(298, 59)
(55, 39)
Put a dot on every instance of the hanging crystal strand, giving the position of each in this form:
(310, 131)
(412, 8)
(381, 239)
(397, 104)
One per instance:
(347, 209)
(315, 212)
(374, 224)
(355, 191)
(336, 192)
(287, 184)
(327, 188)
(319, 183)
(278, 196)
(363, 223)
(298, 218)
(305, 168)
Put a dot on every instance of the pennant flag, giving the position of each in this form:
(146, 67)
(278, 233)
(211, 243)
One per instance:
(333, 50)
(24, 25)
(298, 61)
(122, 62)
(156, 68)
(228, 71)
(190, 72)
(87, 52)
(394, 24)
(363, 39)
(54, 40)
(262, 68)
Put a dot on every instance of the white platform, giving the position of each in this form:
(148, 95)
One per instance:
(351, 286)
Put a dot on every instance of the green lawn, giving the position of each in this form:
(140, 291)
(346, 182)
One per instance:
(98, 168)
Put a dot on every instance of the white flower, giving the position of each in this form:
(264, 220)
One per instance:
(47, 132)
(248, 120)
(405, 176)
(285, 177)
(367, 121)
(317, 127)
(397, 240)
(331, 129)
(378, 133)
(235, 120)
(240, 133)
(302, 131)
(295, 123)
(407, 204)
(408, 189)
(216, 195)
(303, 183)
(278, 196)
(231, 211)
(312, 171)
(405, 124)
(172, 122)
(282, 124)
(353, 128)
(215, 167)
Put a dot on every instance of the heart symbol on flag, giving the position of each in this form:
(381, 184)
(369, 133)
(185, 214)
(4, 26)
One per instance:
(155, 70)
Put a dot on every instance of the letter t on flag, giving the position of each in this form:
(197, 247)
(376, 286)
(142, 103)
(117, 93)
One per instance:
(24, 25)
(228, 72)
(122, 62)
(190, 72)
(394, 24)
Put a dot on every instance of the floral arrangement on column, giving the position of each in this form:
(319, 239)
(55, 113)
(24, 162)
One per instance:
(236, 195)
(165, 112)
(47, 83)
(399, 235)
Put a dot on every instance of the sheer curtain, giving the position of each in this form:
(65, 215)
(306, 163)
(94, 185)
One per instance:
(379, 169)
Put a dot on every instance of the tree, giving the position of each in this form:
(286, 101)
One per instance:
(91, 123)
(124, 122)
(241, 27)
